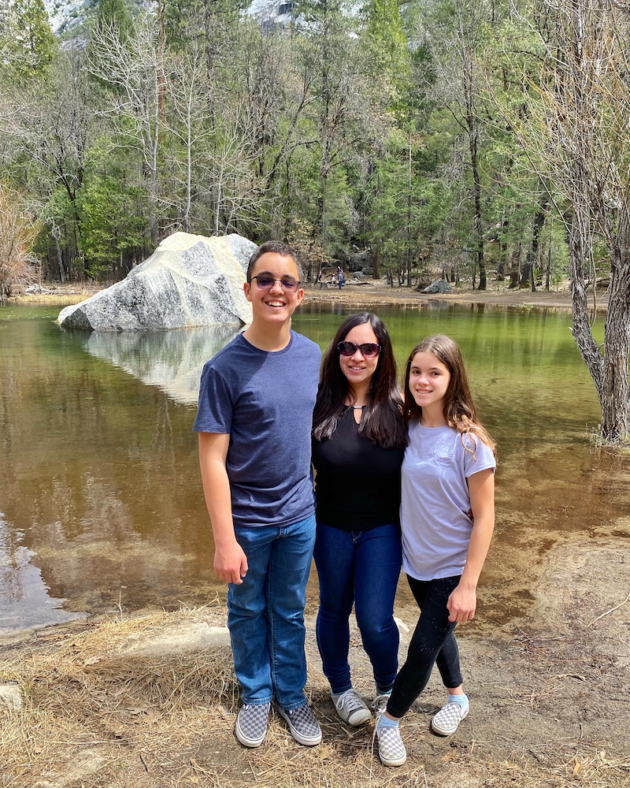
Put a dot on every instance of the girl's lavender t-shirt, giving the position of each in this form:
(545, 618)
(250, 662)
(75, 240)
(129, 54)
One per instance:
(435, 501)
(265, 402)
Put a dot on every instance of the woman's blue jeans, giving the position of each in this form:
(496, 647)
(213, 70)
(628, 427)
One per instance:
(266, 613)
(360, 567)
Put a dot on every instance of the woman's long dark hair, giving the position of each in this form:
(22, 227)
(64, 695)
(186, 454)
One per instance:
(382, 420)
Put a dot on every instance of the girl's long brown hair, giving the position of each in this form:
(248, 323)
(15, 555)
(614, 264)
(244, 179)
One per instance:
(459, 409)
(382, 419)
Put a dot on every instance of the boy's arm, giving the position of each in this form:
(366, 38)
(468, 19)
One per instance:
(230, 562)
(463, 601)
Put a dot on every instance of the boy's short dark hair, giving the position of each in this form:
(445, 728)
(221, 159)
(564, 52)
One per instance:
(277, 247)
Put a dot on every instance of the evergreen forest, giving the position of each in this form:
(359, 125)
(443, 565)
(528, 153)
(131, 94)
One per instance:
(420, 136)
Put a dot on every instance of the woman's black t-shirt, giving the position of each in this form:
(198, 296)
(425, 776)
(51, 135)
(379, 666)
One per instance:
(357, 486)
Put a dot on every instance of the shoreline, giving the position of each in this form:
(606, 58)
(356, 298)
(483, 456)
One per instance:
(382, 295)
(370, 294)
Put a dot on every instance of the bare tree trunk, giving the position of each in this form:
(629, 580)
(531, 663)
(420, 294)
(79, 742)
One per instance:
(478, 223)
(548, 272)
(527, 274)
(472, 125)
(161, 74)
(209, 24)
(579, 250)
(503, 247)
(377, 260)
(615, 393)
(376, 272)
(326, 149)
(62, 271)
(408, 254)
(515, 266)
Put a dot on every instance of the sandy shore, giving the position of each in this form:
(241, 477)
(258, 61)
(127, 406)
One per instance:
(370, 294)
(380, 294)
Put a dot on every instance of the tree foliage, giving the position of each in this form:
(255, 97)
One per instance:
(377, 129)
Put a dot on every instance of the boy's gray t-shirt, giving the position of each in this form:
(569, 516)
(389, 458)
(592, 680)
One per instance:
(265, 401)
(435, 500)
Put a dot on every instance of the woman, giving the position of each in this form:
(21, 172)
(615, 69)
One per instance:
(359, 436)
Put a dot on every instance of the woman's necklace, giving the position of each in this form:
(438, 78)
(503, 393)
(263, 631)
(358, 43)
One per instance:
(358, 407)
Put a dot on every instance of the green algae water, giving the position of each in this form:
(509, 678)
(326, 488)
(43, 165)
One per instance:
(100, 497)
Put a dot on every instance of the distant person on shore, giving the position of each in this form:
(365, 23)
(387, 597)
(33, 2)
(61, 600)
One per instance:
(359, 436)
(341, 280)
(447, 519)
(254, 423)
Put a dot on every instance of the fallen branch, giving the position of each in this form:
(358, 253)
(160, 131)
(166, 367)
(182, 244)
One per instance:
(612, 610)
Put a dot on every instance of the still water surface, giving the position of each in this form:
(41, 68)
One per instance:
(100, 498)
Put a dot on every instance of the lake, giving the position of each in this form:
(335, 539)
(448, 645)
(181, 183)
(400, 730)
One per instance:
(100, 497)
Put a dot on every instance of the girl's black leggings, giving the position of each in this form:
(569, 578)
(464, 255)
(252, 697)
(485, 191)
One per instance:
(433, 641)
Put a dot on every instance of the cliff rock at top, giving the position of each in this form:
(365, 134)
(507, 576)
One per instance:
(188, 281)
(67, 15)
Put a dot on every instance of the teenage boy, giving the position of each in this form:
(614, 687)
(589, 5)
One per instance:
(254, 423)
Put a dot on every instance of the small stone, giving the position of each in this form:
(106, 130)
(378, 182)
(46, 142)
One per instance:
(11, 695)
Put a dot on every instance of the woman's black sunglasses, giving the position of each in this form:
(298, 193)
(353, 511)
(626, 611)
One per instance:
(368, 349)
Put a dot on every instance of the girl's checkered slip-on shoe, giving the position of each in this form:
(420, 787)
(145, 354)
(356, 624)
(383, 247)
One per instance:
(391, 749)
(303, 725)
(448, 718)
(251, 724)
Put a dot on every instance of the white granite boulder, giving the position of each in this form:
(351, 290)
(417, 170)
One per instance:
(189, 280)
(439, 286)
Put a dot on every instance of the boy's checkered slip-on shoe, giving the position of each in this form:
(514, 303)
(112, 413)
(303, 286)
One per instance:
(352, 708)
(251, 724)
(448, 718)
(391, 749)
(303, 725)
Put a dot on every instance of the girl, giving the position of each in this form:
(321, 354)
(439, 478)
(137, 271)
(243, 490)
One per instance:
(447, 519)
(359, 435)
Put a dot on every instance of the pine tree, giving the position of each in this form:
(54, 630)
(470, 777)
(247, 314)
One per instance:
(27, 43)
(115, 13)
(387, 44)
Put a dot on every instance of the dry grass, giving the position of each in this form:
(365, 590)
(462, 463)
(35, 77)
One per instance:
(18, 231)
(95, 714)
(58, 295)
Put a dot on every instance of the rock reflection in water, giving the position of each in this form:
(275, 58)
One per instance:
(171, 360)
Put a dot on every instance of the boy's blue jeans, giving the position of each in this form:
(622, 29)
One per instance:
(266, 612)
(360, 567)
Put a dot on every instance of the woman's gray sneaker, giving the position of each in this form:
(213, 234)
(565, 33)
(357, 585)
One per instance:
(379, 704)
(251, 724)
(303, 725)
(391, 749)
(351, 707)
(448, 718)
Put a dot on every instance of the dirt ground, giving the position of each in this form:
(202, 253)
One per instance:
(149, 701)
(497, 294)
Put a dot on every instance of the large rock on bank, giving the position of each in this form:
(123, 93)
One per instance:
(439, 286)
(188, 281)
